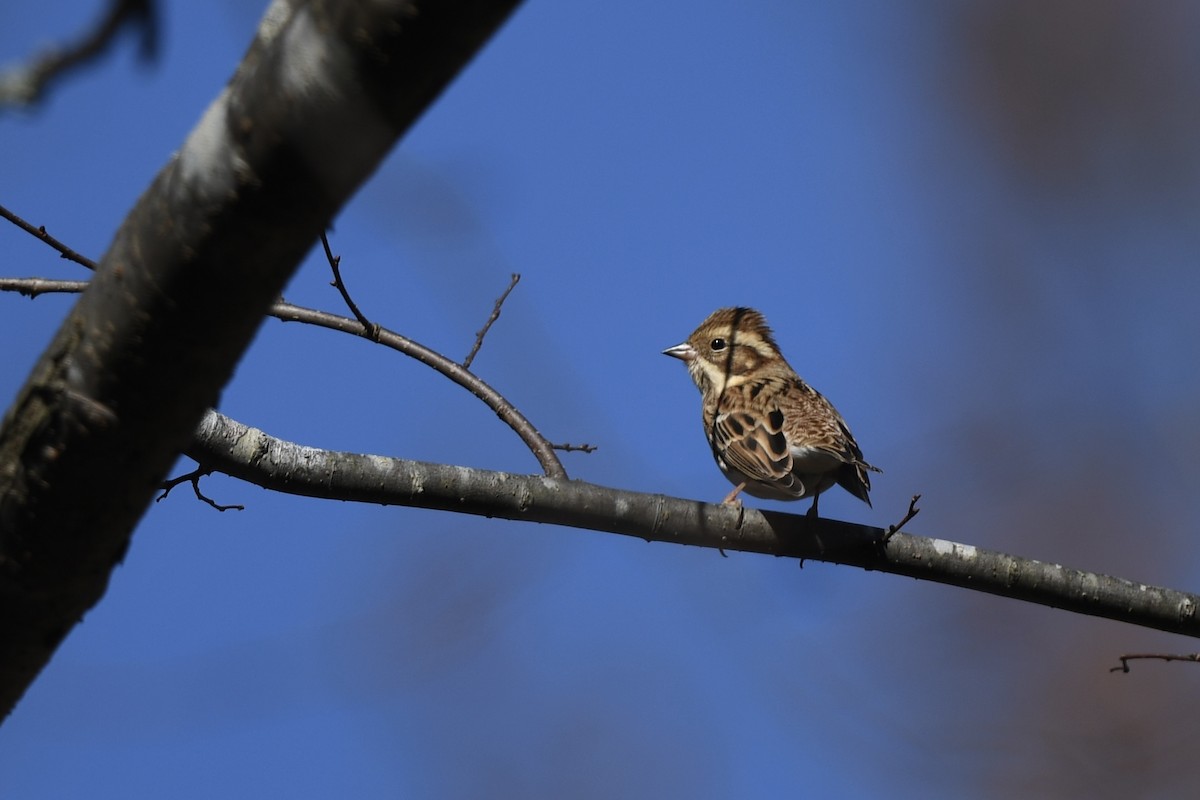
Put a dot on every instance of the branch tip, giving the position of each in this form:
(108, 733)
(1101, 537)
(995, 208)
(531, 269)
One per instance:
(892, 530)
(25, 84)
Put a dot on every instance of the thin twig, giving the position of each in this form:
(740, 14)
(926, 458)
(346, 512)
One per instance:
(40, 233)
(892, 530)
(1157, 656)
(541, 448)
(569, 448)
(335, 263)
(482, 332)
(193, 478)
(25, 84)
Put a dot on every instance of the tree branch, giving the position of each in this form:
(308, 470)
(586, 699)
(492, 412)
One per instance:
(370, 329)
(567, 447)
(506, 411)
(39, 233)
(26, 84)
(193, 478)
(541, 448)
(227, 446)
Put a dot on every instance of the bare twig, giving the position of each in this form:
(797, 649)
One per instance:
(40, 233)
(892, 530)
(25, 84)
(1157, 656)
(482, 332)
(570, 448)
(542, 450)
(193, 478)
(32, 287)
(335, 262)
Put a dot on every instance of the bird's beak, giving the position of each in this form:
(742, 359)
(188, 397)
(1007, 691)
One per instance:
(684, 352)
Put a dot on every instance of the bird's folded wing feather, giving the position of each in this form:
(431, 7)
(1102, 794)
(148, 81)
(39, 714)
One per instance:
(825, 433)
(757, 447)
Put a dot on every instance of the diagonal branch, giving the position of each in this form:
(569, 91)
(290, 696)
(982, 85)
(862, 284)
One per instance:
(491, 320)
(32, 287)
(1125, 659)
(227, 446)
(26, 84)
(370, 329)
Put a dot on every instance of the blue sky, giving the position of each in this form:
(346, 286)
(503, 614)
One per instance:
(972, 226)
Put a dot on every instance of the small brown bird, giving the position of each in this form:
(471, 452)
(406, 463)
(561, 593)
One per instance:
(772, 434)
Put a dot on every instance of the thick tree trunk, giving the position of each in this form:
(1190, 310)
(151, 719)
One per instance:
(323, 93)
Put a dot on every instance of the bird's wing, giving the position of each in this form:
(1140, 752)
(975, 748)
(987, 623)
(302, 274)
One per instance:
(827, 440)
(815, 428)
(756, 446)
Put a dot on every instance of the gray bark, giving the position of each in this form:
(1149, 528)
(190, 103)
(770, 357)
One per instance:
(235, 449)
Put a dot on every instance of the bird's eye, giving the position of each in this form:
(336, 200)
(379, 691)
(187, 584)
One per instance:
(718, 345)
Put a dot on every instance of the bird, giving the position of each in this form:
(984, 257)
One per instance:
(772, 435)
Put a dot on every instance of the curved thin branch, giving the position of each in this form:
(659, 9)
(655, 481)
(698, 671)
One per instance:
(227, 446)
(538, 444)
(542, 450)
(491, 320)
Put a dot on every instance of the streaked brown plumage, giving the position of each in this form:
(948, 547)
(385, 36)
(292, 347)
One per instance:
(772, 434)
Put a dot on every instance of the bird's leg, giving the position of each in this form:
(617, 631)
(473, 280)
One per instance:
(812, 512)
(731, 499)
